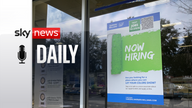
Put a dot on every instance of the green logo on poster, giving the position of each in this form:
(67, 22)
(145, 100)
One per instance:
(134, 25)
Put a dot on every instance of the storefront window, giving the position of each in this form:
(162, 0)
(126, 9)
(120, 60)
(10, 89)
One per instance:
(175, 18)
(59, 84)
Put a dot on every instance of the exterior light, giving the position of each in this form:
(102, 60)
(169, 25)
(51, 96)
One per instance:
(186, 46)
(179, 37)
(173, 24)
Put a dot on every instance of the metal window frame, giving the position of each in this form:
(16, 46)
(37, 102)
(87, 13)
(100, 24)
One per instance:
(84, 77)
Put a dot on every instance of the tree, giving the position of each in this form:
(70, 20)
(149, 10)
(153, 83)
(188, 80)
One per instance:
(169, 47)
(184, 56)
(176, 59)
(184, 6)
(96, 48)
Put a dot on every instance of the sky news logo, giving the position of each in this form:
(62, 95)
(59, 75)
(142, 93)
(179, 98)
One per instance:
(46, 33)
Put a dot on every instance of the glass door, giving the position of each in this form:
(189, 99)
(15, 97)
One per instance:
(175, 30)
(60, 83)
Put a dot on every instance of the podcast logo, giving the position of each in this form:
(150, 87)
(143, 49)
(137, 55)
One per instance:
(46, 33)
(22, 54)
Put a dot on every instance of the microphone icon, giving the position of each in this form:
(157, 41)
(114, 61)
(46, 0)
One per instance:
(22, 54)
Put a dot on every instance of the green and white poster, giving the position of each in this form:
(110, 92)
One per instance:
(134, 61)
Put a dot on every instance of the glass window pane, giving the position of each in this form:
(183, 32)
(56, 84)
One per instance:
(175, 43)
(62, 81)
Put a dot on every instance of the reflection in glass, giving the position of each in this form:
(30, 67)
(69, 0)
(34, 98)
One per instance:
(176, 49)
(60, 83)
